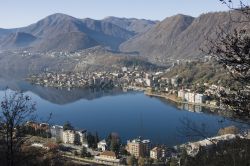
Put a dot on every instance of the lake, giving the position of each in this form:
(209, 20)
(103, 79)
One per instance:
(130, 114)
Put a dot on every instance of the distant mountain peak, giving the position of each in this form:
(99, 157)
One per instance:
(91, 32)
(60, 16)
(18, 39)
(180, 36)
(131, 24)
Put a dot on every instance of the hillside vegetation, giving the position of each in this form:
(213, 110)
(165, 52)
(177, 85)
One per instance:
(201, 72)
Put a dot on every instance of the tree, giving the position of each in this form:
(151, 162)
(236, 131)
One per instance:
(96, 138)
(75, 153)
(173, 162)
(131, 160)
(228, 130)
(84, 152)
(91, 139)
(16, 110)
(231, 48)
(68, 126)
(141, 161)
(113, 142)
(229, 153)
(123, 150)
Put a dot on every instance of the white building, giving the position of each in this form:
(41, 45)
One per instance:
(124, 69)
(148, 82)
(181, 94)
(186, 96)
(102, 145)
(57, 132)
(174, 81)
(191, 97)
(199, 98)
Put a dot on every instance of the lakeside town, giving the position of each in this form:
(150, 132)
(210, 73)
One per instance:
(83, 147)
(153, 83)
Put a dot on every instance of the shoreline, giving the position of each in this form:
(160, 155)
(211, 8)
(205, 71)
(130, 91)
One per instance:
(174, 99)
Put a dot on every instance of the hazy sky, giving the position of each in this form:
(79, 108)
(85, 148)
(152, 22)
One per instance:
(17, 13)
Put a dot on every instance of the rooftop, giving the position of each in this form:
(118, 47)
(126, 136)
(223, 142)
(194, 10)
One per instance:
(139, 140)
(108, 153)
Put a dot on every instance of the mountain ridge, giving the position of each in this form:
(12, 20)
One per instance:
(103, 32)
(176, 37)
(181, 36)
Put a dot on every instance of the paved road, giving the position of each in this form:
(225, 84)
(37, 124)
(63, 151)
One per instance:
(82, 161)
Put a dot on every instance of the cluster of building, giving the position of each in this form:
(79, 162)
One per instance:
(193, 148)
(69, 136)
(38, 126)
(139, 148)
(207, 97)
(60, 54)
(191, 97)
(125, 77)
(130, 78)
(143, 148)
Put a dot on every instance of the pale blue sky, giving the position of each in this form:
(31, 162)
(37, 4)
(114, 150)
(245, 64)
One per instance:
(17, 13)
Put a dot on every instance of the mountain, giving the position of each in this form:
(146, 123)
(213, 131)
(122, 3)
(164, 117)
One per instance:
(159, 41)
(52, 27)
(4, 31)
(176, 37)
(106, 33)
(180, 36)
(17, 40)
(132, 24)
(69, 42)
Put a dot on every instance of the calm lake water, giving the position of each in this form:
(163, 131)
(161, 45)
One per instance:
(129, 114)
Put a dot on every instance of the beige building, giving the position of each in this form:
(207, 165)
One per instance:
(138, 147)
(156, 153)
(74, 137)
(69, 136)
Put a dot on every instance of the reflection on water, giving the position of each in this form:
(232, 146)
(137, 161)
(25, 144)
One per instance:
(192, 108)
(54, 95)
(129, 114)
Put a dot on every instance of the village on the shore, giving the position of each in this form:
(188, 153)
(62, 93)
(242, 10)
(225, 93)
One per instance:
(83, 146)
(111, 151)
(153, 83)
